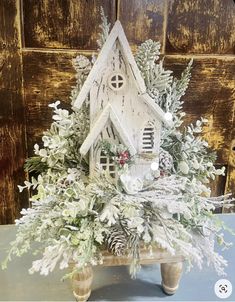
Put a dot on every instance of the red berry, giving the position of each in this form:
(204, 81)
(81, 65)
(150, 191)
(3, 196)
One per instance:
(122, 162)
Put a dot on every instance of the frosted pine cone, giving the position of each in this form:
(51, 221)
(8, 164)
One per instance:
(165, 160)
(116, 242)
(81, 64)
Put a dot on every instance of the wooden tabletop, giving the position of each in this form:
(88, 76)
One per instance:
(110, 283)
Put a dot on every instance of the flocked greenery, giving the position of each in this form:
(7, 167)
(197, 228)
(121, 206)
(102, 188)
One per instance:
(119, 154)
(75, 216)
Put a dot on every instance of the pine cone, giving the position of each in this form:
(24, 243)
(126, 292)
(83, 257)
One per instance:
(81, 64)
(126, 230)
(116, 242)
(165, 160)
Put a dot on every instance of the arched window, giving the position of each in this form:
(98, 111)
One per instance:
(107, 163)
(148, 138)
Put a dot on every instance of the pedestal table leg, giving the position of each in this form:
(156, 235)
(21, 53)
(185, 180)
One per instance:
(171, 273)
(81, 283)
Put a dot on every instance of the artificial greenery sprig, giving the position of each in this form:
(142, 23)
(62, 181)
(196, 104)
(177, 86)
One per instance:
(118, 153)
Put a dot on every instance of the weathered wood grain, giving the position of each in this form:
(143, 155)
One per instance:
(9, 33)
(12, 123)
(171, 274)
(230, 181)
(64, 23)
(142, 20)
(201, 26)
(171, 269)
(81, 283)
(47, 77)
(210, 95)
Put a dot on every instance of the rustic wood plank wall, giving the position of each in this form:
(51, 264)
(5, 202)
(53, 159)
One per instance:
(38, 39)
(12, 122)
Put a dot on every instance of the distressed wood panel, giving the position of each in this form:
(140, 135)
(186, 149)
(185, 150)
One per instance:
(9, 33)
(12, 123)
(47, 77)
(230, 183)
(64, 23)
(142, 20)
(211, 94)
(201, 26)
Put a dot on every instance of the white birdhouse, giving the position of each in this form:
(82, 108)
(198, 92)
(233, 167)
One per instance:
(121, 111)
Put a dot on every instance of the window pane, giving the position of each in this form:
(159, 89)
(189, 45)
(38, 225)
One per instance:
(103, 160)
(107, 164)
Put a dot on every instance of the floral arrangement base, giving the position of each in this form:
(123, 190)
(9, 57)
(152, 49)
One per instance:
(171, 269)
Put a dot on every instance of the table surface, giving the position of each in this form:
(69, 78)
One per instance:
(110, 283)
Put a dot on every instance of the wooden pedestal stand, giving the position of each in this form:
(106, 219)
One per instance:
(171, 269)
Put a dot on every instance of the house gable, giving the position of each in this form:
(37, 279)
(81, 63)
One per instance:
(99, 125)
(117, 34)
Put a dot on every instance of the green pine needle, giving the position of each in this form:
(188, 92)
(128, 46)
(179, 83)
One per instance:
(34, 164)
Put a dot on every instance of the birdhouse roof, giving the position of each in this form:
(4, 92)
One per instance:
(117, 32)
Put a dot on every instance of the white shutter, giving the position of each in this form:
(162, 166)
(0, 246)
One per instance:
(148, 138)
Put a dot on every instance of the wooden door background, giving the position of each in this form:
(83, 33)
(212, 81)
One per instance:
(38, 39)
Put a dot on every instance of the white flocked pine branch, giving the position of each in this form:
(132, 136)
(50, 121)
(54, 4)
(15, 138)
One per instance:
(104, 29)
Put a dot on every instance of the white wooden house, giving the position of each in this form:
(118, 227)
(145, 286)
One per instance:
(120, 109)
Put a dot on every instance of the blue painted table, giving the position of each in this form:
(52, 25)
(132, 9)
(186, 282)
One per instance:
(110, 283)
